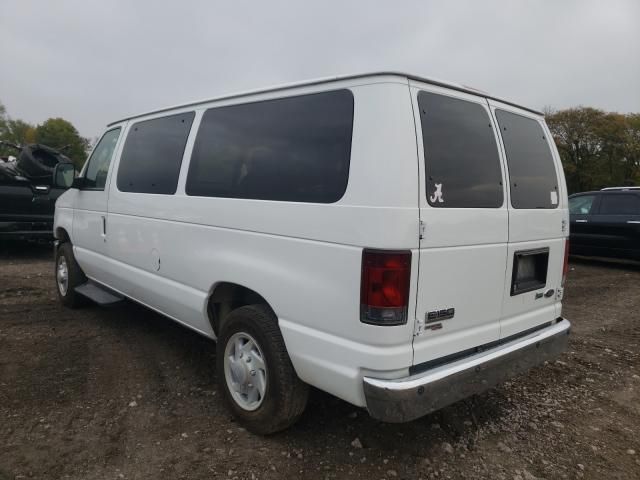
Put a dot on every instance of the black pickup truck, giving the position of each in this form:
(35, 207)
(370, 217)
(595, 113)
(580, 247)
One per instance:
(29, 188)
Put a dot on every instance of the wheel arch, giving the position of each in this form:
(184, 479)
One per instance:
(62, 235)
(63, 224)
(224, 297)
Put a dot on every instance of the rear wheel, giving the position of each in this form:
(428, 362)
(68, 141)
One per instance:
(255, 374)
(68, 276)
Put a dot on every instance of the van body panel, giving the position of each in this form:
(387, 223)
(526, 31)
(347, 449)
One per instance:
(535, 229)
(531, 309)
(90, 217)
(337, 365)
(463, 254)
(272, 246)
(171, 251)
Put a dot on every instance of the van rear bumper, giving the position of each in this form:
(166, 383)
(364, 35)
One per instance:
(405, 399)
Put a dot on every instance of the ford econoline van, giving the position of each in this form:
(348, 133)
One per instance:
(398, 242)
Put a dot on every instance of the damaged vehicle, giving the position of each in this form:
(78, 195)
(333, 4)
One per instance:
(30, 184)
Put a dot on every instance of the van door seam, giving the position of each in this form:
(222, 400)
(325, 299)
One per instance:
(507, 195)
(417, 320)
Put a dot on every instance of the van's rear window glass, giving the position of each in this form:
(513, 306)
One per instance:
(532, 174)
(290, 149)
(460, 153)
(152, 154)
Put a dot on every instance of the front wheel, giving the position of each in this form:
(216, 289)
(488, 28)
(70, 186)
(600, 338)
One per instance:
(68, 276)
(255, 373)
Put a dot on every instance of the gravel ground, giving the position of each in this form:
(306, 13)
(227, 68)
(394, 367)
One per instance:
(125, 393)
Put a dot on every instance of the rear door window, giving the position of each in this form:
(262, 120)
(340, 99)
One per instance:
(460, 153)
(581, 205)
(294, 149)
(619, 204)
(152, 154)
(532, 174)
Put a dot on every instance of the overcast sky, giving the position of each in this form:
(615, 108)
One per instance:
(93, 62)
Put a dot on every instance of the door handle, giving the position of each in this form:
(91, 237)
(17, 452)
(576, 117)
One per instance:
(633, 221)
(104, 228)
(582, 221)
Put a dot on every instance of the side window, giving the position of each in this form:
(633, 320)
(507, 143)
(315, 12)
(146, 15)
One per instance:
(152, 154)
(532, 173)
(581, 205)
(620, 204)
(460, 153)
(98, 164)
(294, 149)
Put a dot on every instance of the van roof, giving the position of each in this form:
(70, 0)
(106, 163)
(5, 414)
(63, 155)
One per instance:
(431, 81)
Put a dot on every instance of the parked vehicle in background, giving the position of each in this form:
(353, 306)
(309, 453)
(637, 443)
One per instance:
(28, 191)
(360, 234)
(606, 223)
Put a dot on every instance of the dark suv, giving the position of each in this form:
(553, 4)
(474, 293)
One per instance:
(606, 223)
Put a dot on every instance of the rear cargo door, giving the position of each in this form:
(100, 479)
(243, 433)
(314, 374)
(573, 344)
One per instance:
(538, 221)
(464, 220)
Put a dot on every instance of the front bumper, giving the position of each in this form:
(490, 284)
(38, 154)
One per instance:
(405, 399)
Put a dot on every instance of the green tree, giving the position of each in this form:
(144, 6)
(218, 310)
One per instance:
(598, 149)
(632, 142)
(60, 134)
(14, 131)
(577, 143)
(19, 132)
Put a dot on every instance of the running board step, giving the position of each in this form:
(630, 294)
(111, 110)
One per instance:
(99, 294)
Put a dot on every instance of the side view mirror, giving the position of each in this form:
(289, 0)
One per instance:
(64, 175)
(79, 183)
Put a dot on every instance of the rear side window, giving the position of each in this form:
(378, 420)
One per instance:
(581, 205)
(532, 173)
(291, 149)
(152, 155)
(620, 204)
(460, 152)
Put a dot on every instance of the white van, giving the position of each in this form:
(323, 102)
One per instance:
(398, 242)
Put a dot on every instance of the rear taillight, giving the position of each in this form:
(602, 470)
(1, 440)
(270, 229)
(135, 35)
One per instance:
(384, 291)
(565, 267)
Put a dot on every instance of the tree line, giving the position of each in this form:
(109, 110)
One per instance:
(598, 148)
(57, 133)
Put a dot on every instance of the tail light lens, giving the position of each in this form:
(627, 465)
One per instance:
(384, 291)
(565, 267)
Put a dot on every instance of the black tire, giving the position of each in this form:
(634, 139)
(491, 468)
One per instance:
(285, 394)
(75, 277)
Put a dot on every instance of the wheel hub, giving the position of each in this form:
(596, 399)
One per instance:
(62, 275)
(245, 371)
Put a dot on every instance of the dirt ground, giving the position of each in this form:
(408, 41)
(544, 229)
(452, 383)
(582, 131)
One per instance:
(125, 393)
